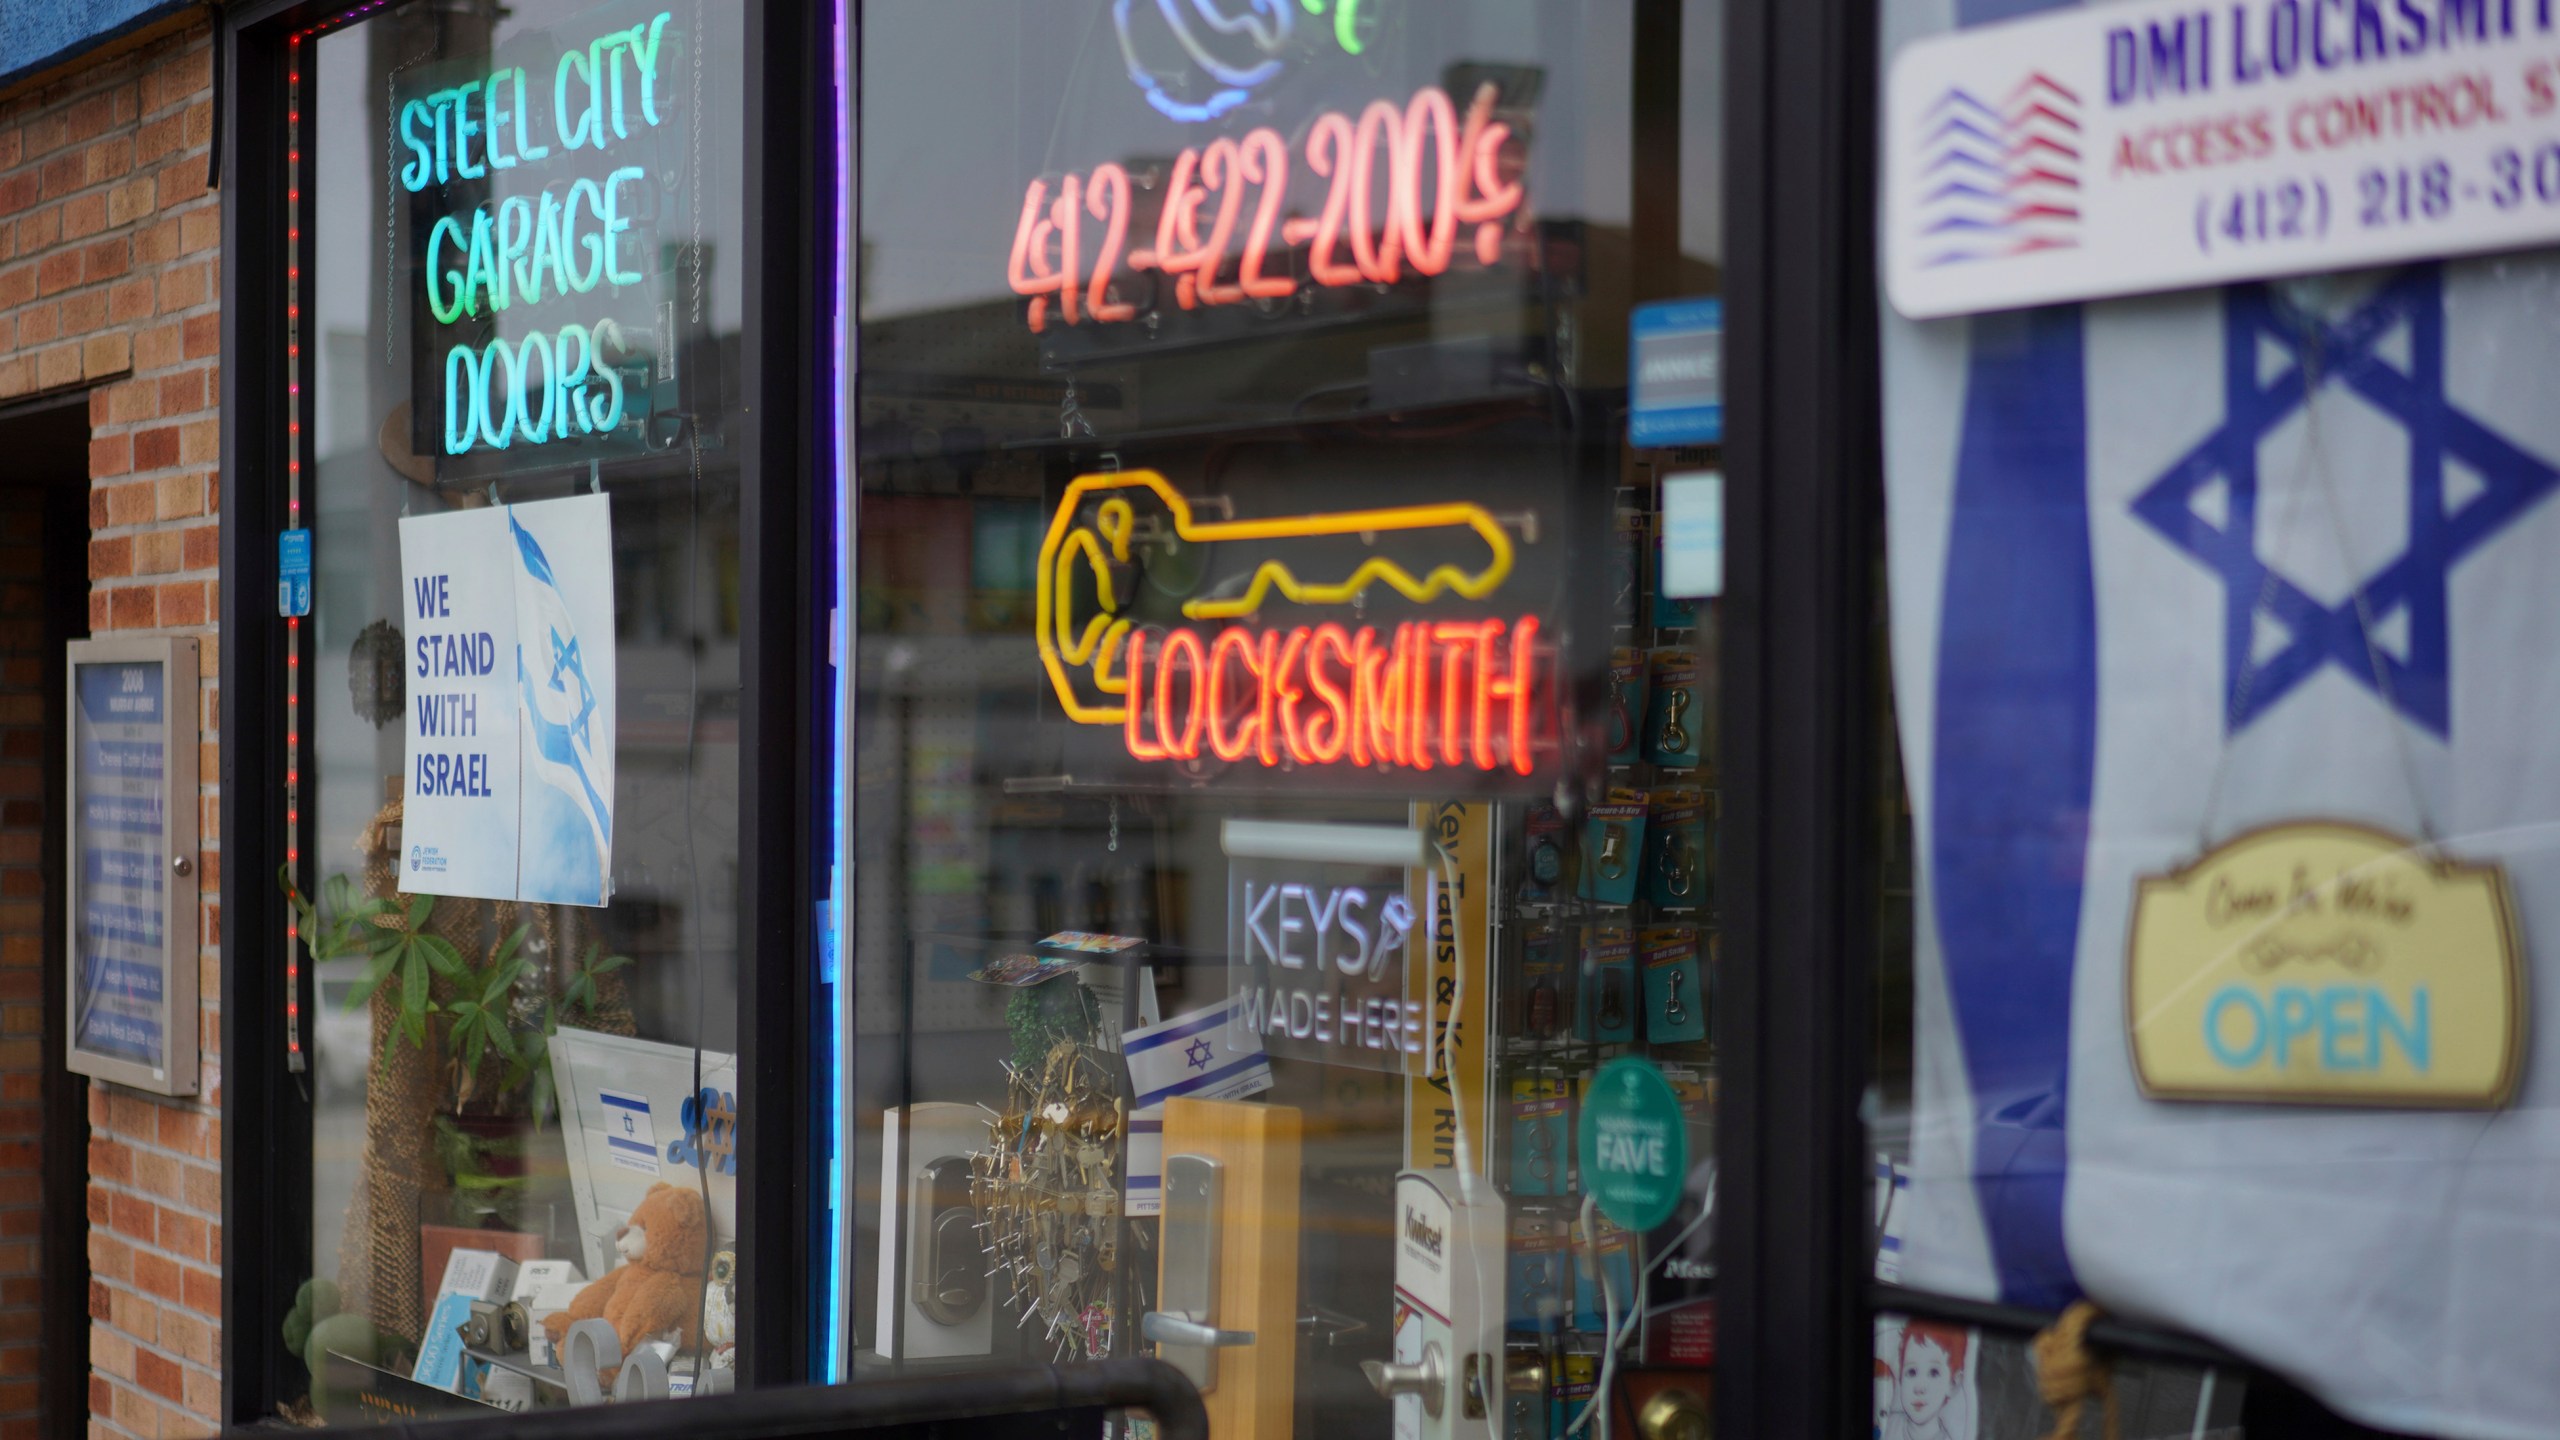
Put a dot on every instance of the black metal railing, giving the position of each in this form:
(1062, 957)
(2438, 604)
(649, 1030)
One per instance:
(1064, 1402)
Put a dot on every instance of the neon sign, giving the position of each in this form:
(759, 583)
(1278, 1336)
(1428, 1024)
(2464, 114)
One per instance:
(1403, 186)
(1460, 692)
(569, 238)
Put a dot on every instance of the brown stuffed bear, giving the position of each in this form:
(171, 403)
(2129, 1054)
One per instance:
(658, 1286)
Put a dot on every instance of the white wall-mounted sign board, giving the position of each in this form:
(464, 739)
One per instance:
(2122, 149)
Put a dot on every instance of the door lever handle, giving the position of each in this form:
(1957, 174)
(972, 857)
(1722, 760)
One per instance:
(1167, 1329)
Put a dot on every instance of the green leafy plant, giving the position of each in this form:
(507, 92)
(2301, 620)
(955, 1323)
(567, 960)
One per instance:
(338, 925)
(414, 956)
(484, 1015)
(582, 992)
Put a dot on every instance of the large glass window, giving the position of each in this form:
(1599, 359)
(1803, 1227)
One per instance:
(516, 251)
(1288, 770)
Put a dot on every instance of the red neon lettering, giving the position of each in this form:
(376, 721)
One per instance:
(1233, 647)
(1366, 663)
(1112, 181)
(1314, 695)
(1442, 175)
(1337, 707)
(1414, 745)
(1515, 689)
(1274, 680)
(1460, 642)
(1137, 663)
(1317, 693)
(1188, 747)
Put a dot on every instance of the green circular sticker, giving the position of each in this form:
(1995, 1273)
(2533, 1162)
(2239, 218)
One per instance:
(1635, 1146)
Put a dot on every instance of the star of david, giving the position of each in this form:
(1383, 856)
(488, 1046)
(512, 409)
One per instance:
(1197, 1052)
(2411, 585)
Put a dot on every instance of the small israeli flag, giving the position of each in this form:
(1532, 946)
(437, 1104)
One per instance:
(565, 675)
(1195, 1054)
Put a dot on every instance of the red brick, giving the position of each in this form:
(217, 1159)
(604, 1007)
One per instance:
(131, 607)
(203, 336)
(155, 449)
(107, 259)
(111, 557)
(157, 1275)
(203, 1291)
(84, 215)
(158, 1374)
(182, 603)
(203, 547)
(110, 455)
(132, 1215)
(57, 272)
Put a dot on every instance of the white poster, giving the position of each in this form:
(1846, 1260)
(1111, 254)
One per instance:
(510, 652)
(458, 599)
(2117, 149)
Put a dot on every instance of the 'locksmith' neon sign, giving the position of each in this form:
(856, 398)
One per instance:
(1469, 693)
(1403, 188)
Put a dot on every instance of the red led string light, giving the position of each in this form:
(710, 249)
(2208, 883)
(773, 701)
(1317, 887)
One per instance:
(293, 518)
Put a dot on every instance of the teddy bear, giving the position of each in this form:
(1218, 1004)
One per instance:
(657, 1289)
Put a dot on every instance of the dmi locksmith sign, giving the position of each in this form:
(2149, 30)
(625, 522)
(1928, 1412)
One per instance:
(2123, 149)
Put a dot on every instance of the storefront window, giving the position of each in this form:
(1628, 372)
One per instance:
(1287, 691)
(516, 336)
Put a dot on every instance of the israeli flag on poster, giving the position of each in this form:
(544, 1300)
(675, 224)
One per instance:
(2164, 570)
(1195, 1054)
(563, 554)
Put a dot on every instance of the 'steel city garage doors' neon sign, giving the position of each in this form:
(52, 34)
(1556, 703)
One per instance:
(1403, 186)
(564, 240)
(1467, 693)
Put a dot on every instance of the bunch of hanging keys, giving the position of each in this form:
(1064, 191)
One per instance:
(1048, 1202)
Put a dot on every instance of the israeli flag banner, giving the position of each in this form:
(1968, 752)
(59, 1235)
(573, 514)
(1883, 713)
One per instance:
(1198, 1054)
(563, 559)
(2168, 574)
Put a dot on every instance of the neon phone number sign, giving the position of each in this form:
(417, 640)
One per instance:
(1407, 190)
(565, 240)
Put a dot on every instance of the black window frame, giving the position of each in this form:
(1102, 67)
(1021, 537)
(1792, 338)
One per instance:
(786, 550)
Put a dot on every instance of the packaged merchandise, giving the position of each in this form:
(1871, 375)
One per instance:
(1679, 873)
(1613, 848)
(1606, 1013)
(1629, 671)
(1541, 1283)
(1675, 711)
(1675, 998)
(1545, 1006)
(1542, 879)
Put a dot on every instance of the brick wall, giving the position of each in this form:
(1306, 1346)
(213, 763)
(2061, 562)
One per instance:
(109, 281)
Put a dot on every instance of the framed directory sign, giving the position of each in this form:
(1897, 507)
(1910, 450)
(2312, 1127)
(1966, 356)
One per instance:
(132, 866)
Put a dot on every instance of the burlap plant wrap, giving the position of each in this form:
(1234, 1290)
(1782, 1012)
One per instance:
(407, 1086)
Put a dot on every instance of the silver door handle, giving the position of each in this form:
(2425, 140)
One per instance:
(1167, 1329)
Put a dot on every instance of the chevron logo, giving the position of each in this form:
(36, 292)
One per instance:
(2000, 180)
